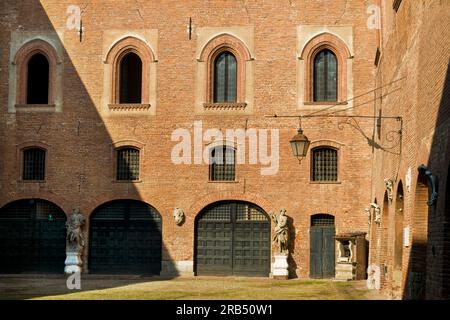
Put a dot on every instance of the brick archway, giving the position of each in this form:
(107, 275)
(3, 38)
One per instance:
(416, 285)
(398, 239)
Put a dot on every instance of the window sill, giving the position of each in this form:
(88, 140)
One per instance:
(127, 181)
(225, 106)
(325, 182)
(32, 181)
(224, 181)
(129, 106)
(35, 107)
(324, 103)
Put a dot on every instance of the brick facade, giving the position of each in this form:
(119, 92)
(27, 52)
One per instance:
(81, 136)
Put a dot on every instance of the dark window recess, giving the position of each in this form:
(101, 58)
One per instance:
(222, 164)
(34, 164)
(130, 79)
(377, 57)
(128, 164)
(396, 4)
(225, 78)
(37, 80)
(324, 164)
(325, 76)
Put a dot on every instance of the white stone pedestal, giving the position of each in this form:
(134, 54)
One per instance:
(73, 262)
(280, 267)
(344, 271)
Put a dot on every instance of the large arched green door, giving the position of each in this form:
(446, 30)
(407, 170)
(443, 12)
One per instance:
(233, 238)
(32, 237)
(125, 237)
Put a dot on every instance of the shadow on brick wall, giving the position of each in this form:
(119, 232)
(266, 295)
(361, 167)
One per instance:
(78, 139)
(428, 274)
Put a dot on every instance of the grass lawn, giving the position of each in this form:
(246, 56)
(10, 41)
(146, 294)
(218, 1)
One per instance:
(155, 288)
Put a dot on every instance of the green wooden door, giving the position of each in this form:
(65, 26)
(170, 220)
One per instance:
(322, 247)
(125, 238)
(232, 238)
(32, 237)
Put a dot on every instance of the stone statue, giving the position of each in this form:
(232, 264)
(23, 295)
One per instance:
(178, 215)
(281, 235)
(74, 224)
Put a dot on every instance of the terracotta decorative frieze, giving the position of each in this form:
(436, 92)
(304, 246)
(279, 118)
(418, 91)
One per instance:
(128, 106)
(225, 106)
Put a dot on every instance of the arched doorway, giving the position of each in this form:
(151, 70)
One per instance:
(322, 246)
(398, 243)
(32, 237)
(125, 237)
(418, 257)
(232, 238)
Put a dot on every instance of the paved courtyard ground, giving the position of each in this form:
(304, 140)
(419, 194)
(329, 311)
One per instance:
(226, 288)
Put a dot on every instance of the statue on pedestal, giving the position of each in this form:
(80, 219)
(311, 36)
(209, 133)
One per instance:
(281, 236)
(75, 242)
(74, 233)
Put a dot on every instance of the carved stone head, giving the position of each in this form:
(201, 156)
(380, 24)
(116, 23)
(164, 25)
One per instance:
(179, 216)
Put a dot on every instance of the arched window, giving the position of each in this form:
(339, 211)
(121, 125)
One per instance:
(130, 78)
(325, 76)
(37, 79)
(128, 164)
(222, 164)
(33, 164)
(225, 77)
(324, 164)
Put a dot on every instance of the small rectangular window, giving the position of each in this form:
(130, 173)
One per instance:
(324, 164)
(222, 164)
(128, 164)
(33, 164)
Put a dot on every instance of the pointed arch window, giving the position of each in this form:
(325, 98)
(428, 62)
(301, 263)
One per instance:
(130, 81)
(325, 76)
(225, 78)
(37, 79)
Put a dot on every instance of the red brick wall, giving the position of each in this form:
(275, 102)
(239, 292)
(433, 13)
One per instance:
(79, 173)
(416, 49)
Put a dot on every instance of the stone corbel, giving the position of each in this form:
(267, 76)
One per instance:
(389, 188)
(179, 217)
(377, 211)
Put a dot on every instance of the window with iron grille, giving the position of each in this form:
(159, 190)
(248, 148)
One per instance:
(128, 164)
(322, 220)
(222, 164)
(33, 164)
(324, 164)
